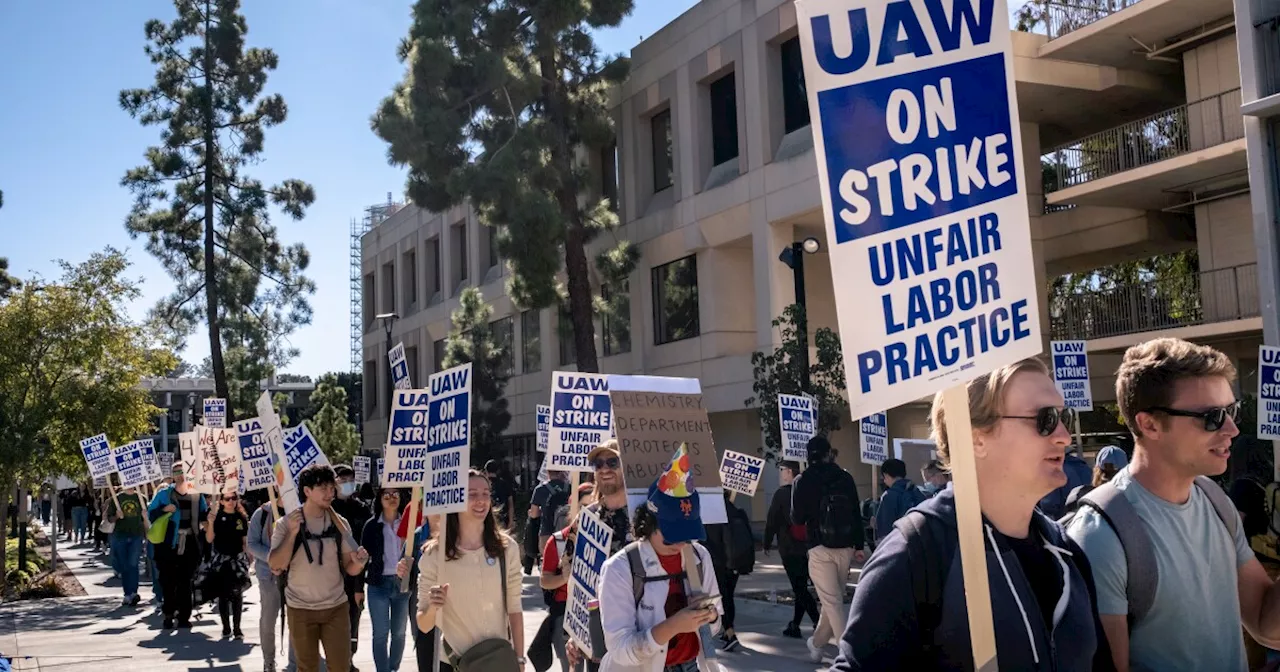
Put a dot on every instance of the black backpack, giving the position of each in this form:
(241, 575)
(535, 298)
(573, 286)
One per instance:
(300, 541)
(837, 516)
(742, 542)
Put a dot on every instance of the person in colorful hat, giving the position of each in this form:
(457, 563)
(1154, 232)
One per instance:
(657, 630)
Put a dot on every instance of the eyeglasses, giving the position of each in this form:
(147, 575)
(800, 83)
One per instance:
(1047, 419)
(1214, 418)
(610, 462)
(231, 499)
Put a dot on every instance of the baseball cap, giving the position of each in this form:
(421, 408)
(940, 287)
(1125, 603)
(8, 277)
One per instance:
(608, 447)
(1112, 455)
(675, 503)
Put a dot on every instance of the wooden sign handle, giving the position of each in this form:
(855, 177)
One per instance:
(411, 533)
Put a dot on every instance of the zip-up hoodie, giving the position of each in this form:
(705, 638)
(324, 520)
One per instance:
(882, 632)
(894, 504)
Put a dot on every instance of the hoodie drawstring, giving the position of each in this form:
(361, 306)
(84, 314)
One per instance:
(1035, 653)
(1061, 607)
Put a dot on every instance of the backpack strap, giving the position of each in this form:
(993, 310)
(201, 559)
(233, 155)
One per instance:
(928, 561)
(639, 577)
(1140, 557)
(1222, 504)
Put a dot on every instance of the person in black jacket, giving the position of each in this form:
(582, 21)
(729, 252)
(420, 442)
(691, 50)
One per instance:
(793, 546)
(825, 500)
(388, 605)
(357, 514)
(720, 544)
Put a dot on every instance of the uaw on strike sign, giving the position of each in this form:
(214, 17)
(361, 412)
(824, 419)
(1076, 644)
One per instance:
(917, 142)
(581, 419)
(590, 550)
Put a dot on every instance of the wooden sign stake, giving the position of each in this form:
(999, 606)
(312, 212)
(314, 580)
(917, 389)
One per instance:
(411, 533)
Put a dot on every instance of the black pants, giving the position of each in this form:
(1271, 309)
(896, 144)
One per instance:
(229, 608)
(354, 611)
(797, 567)
(424, 647)
(176, 572)
(728, 580)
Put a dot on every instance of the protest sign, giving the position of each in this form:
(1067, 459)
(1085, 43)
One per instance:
(207, 464)
(543, 474)
(542, 415)
(148, 448)
(165, 460)
(99, 482)
(407, 439)
(589, 553)
(189, 452)
(580, 419)
(360, 464)
(97, 453)
(923, 190)
(215, 413)
(448, 441)
(381, 469)
(1071, 374)
(227, 445)
(798, 422)
(873, 439)
(298, 451)
(255, 455)
(399, 368)
(273, 434)
(1268, 392)
(740, 472)
(131, 465)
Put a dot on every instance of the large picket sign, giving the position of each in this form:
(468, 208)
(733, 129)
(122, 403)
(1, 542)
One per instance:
(228, 446)
(148, 448)
(1268, 392)
(740, 472)
(298, 451)
(581, 419)
(97, 453)
(798, 422)
(1071, 373)
(131, 465)
(255, 455)
(406, 464)
(589, 553)
(448, 440)
(360, 464)
(399, 368)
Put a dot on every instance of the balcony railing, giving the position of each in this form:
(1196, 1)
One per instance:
(1164, 135)
(1219, 295)
(1061, 18)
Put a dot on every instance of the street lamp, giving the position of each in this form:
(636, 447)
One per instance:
(388, 319)
(793, 257)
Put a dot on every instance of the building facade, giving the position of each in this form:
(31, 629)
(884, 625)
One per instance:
(1131, 117)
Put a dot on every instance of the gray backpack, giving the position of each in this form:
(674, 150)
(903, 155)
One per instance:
(1140, 557)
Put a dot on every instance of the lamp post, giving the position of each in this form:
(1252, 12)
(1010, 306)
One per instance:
(793, 257)
(388, 320)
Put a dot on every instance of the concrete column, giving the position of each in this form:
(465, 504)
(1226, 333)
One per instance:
(1035, 210)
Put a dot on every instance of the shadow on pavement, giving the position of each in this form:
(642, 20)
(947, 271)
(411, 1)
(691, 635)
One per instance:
(70, 615)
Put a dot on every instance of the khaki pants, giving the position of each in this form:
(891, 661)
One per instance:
(829, 570)
(309, 629)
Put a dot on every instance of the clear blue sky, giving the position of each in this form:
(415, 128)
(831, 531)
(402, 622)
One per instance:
(65, 142)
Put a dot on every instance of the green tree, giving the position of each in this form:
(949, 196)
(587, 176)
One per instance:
(350, 384)
(70, 366)
(333, 431)
(497, 100)
(8, 283)
(472, 340)
(780, 372)
(206, 221)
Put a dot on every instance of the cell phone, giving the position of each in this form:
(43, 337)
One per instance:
(705, 602)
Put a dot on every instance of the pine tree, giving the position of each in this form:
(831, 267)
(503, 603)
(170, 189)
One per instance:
(497, 99)
(472, 339)
(330, 427)
(206, 221)
(8, 283)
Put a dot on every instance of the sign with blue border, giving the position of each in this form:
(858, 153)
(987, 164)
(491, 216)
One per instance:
(740, 472)
(581, 419)
(448, 441)
(873, 439)
(797, 422)
(97, 453)
(1268, 392)
(1071, 374)
(399, 368)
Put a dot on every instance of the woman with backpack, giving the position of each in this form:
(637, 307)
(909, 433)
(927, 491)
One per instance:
(469, 584)
(793, 546)
(909, 610)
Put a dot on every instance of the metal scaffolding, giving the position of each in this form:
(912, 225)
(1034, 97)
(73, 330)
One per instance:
(373, 216)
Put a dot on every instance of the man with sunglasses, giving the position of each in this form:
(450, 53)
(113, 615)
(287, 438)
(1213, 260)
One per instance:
(1175, 576)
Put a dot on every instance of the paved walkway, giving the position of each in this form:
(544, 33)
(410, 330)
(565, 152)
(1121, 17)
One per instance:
(95, 634)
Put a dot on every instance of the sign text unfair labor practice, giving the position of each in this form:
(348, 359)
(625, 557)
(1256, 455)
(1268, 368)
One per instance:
(917, 140)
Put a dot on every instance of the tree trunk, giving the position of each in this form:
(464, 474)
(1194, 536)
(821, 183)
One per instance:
(210, 272)
(580, 311)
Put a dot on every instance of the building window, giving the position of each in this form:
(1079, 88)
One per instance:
(367, 306)
(460, 252)
(616, 323)
(371, 388)
(675, 300)
(434, 270)
(724, 120)
(501, 330)
(663, 164)
(609, 174)
(411, 361)
(389, 288)
(531, 341)
(492, 234)
(409, 275)
(795, 98)
(564, 332)
(437, 352)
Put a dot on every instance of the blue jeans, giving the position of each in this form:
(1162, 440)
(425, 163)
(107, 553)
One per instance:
(389, 613)
(125, 552)
(80, 522)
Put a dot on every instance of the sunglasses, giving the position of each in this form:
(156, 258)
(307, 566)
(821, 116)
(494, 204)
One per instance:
(1047, 419)
(609, 462)
(230, 499)
(1214, 418)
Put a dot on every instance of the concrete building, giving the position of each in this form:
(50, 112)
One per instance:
(181, 401)
(1131, 116)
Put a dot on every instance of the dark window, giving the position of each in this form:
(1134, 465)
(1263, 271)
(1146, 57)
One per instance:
(564, 329)
(433, 261)
(437, 349)
(616, 324)
(367, 305)
(724, 120)
(795, 98)
(675, 301)
(460, 250)
(371, 378)
(410, 274)
(389, 288)
(609, 174)
(502, 337)
(531, 341)
(662, 159)
(493, 245)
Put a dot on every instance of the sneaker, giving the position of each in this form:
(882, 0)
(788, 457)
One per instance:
(134, 600)
(125, 602)
(730, 642)
(226, 632)
(237, 633)
(792, 631)
(815, 654)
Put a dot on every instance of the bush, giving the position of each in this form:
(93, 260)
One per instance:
(19, 576)
(46, 588)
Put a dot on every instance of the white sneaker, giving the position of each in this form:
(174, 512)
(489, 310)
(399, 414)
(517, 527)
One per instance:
(815, 654)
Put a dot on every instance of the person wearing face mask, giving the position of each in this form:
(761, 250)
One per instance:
(357, 513)
(909, 611)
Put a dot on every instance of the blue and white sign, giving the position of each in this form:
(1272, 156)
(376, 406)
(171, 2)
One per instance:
(97, 453)
(542, 414)
(873, 439)
(215, 413)
(380, 469)
(399, 368)
(798, 421)
(589, 553)
(165, 461)
(407, 439)
(255, 455)
(581, 419)
(131, 464)
(361, 465)
(148, 448)
(448, 441)
(918, 143)
(301, 451)
(1071, 374)
(740, 472)
(1268, 392)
